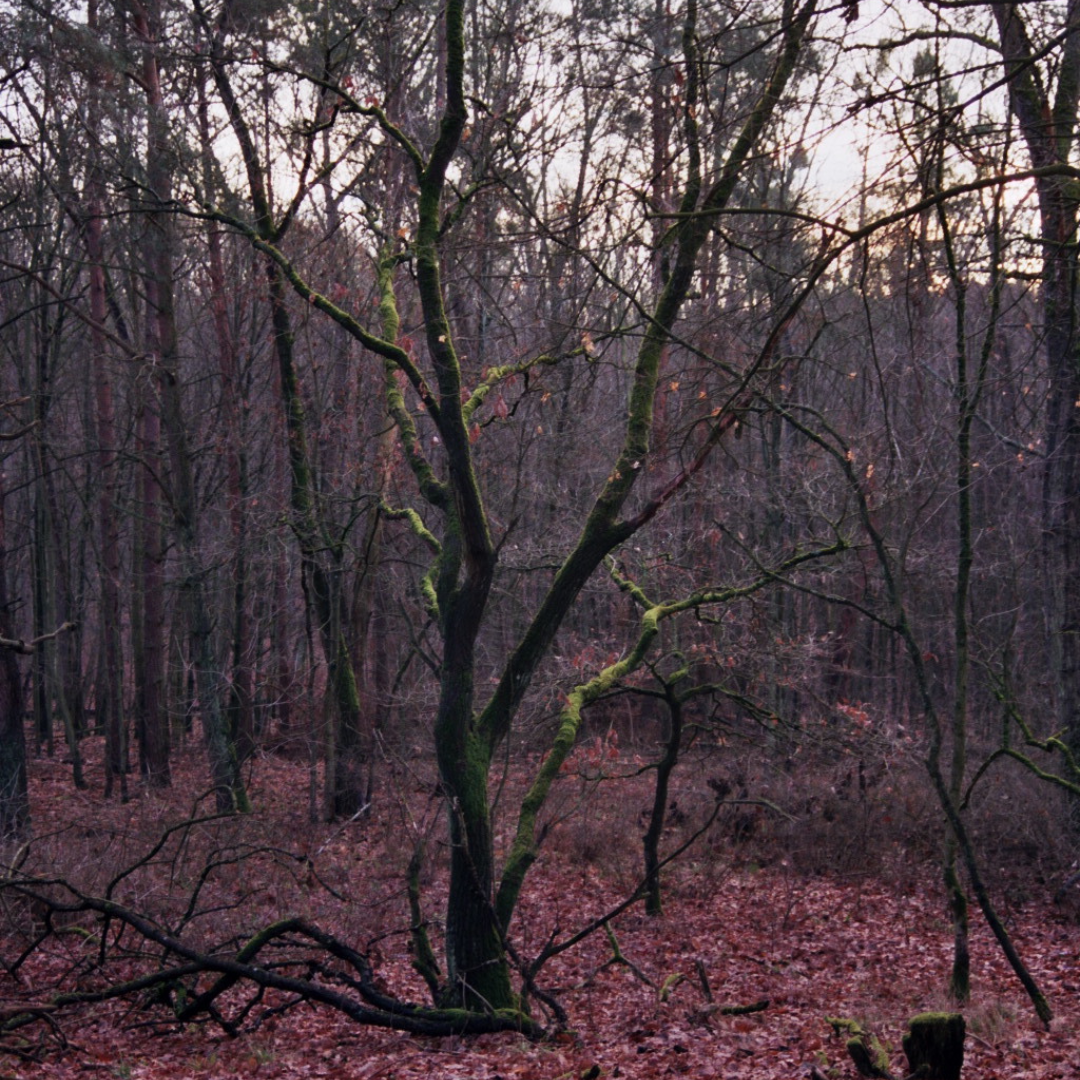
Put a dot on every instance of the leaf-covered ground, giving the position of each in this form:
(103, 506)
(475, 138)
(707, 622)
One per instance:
(871, 946)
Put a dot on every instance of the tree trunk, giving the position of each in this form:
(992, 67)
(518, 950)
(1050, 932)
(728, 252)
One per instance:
(477, 973)
(664, 768)
(322, 583)
(49, 683)
(1049, 130)
(110, 700)
(224, 767)
(241, 699)
(14, 796)
(148, 606)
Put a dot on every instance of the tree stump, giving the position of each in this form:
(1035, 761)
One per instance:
(865, 1049)
(935, 1044)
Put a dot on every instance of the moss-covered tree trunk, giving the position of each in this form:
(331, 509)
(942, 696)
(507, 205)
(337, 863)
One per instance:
(477, 973)
(478, 913)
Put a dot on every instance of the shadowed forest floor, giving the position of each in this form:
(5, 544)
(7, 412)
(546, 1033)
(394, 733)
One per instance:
(871, 946)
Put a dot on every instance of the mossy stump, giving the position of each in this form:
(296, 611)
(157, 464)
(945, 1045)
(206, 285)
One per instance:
(865, 1049)
(934, 1044)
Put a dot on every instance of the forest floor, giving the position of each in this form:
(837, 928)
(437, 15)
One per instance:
(873, 946)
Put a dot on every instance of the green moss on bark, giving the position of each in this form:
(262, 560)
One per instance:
(935, 1043)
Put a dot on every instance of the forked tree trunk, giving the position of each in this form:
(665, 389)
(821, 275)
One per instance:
(458, 588)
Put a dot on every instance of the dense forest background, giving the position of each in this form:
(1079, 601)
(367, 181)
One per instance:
(547, 389)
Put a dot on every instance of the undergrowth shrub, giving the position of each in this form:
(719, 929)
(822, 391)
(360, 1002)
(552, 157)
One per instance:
(820, 811)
